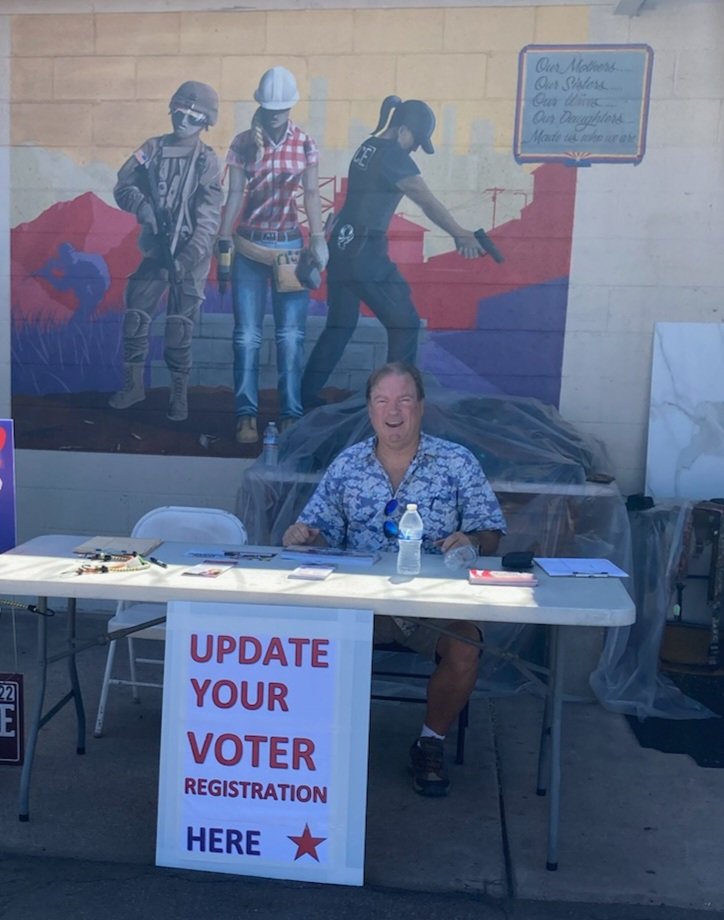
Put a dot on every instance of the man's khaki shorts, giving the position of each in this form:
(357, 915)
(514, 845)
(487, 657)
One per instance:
(409, 634)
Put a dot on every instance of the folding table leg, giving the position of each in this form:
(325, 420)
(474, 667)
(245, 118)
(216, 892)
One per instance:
(24, 811)
(39, 718)
(544, 748)
(73, 675)
(554, 799)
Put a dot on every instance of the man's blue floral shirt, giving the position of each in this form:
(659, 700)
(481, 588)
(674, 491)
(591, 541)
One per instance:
(444, 479)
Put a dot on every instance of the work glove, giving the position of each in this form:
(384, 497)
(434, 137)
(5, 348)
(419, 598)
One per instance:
(146, 217)
(319, 249)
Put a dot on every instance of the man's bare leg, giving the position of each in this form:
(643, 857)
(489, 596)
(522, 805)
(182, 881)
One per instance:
(452, 683)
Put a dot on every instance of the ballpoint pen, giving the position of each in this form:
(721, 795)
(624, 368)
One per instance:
(158, 562)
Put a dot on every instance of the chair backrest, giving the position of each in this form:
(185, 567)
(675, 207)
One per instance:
(186, 525)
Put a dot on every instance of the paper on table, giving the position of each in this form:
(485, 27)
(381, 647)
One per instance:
(580, 568)
(329, 554)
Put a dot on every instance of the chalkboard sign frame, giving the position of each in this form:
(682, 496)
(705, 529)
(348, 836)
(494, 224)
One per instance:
(542, 83)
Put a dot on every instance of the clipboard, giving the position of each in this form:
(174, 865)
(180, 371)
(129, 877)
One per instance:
(118, 546)
(579, 568)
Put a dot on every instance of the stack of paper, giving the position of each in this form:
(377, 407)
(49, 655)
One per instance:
(328, 554)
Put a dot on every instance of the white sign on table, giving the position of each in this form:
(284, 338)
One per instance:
(264, 741)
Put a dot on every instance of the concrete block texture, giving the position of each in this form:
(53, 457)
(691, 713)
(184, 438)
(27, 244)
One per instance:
(44, 36)
(66, 124)
(107, 77)
(398, 31)
(148, 34)
(233, 32)
(495, 29)
(158, 77)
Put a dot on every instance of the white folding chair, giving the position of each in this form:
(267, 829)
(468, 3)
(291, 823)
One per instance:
(173, 523)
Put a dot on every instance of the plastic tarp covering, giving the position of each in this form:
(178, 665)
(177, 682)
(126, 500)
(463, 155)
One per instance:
(554, 485)
(627, 678)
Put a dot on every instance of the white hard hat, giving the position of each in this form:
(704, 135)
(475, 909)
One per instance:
(277, 89)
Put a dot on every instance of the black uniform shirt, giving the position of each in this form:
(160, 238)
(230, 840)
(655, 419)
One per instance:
(372, 192)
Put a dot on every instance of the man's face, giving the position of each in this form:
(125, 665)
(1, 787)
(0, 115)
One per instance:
(187, 122)
(396, 412)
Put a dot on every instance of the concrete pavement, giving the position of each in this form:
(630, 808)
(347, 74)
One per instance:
(638, 827)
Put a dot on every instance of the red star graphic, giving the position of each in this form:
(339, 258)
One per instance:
(306, 844)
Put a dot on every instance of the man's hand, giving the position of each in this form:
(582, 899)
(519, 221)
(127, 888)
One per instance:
(457, 538)
(300, 534)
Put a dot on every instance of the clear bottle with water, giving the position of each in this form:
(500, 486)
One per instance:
(270, 445)
(409, 542)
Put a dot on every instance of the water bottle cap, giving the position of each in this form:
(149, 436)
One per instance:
(412, 507)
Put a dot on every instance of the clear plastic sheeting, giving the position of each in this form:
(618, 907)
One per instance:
(552, 482)
(627, 679)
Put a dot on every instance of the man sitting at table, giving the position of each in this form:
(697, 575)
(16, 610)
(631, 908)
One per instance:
(369, 484)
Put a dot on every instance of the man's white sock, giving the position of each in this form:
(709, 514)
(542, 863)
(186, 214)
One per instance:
(427, 732)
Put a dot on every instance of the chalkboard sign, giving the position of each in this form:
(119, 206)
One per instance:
(582, 104)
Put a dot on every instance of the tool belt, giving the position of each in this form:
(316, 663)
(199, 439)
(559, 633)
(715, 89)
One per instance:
(283, 263)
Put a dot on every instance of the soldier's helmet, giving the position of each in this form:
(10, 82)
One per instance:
(198, 97)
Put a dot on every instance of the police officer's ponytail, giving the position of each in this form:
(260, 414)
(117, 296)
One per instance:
(388, 104)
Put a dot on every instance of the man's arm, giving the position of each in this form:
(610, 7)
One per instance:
(417, 191)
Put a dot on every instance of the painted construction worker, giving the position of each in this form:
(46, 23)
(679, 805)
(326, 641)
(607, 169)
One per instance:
(267, 165)
(360, 269)
(172, 184)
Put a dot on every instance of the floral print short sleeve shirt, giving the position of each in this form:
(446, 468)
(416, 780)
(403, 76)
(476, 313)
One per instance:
(444, 479)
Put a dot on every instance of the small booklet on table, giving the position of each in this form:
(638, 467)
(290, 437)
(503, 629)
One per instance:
(491, 577)
(314, 571)
(209, 569)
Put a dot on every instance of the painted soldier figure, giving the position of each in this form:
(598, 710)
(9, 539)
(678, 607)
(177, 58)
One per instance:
(172, 184)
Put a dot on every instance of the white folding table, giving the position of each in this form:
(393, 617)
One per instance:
(40, 568)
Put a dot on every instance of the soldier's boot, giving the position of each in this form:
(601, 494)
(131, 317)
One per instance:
(178, 406)
(246, 432)
(133, 390)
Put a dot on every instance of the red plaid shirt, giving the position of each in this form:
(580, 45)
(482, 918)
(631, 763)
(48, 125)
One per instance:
(272, 181)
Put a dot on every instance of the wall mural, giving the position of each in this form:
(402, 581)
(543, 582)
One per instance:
(221, 291)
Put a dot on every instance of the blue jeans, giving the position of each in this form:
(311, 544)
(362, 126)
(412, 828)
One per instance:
(251, 283)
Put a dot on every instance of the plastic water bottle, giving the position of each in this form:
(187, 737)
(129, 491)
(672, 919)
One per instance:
(270, 448)
(409, 542)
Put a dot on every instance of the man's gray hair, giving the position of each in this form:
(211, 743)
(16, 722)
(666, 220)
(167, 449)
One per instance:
(399, 369)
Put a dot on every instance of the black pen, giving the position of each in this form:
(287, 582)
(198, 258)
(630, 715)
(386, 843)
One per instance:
(157, 562)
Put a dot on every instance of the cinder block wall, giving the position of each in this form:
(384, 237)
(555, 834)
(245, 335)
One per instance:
(647, 239)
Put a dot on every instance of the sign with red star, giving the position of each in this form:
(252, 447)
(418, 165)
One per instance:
(307, 844)
(262, 771)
